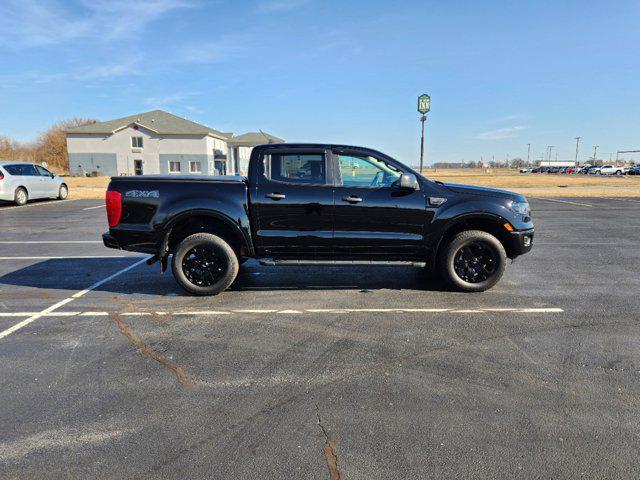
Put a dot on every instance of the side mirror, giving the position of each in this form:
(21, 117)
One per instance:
(408, 181)
(53, 175)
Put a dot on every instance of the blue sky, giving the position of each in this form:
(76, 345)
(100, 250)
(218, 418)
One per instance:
(500, 74)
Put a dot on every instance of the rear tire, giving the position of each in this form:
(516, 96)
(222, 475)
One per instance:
(204, 264)
(473, 261)
(63, 193)
(21, 197)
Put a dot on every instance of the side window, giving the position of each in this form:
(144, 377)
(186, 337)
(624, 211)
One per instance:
(43, 172)
(136, 142)
(366, 171)
(25, 170)
(295, 168)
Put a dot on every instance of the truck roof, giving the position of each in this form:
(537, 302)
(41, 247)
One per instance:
(285, 146)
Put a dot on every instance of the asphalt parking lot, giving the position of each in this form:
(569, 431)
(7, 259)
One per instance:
(309, 373)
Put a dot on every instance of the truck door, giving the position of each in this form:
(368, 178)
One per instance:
(293, 203)
(373, 217)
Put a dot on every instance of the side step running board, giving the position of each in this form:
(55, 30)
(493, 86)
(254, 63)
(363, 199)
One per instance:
(270, 262)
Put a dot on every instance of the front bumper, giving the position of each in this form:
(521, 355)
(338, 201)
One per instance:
(521, 242)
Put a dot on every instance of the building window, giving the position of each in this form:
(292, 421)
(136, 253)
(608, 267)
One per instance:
(136, 142)
(174, 167)
(195, 167)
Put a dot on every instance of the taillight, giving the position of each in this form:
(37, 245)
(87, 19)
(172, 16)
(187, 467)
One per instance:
(1, 176)
(114, 207)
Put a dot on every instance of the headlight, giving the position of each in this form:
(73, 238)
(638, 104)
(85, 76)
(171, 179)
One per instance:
(521, 207)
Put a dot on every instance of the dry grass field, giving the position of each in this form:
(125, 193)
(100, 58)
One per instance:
(532, 184)
(542, 184)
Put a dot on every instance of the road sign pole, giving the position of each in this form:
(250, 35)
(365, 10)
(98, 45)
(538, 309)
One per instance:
(423, 119)
(424, 105)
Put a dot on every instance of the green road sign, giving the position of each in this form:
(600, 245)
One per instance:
(424, 103)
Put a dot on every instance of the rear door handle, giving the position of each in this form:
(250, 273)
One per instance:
(276, 196)
(351, 199)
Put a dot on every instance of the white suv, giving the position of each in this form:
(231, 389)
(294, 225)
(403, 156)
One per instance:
(21, 182)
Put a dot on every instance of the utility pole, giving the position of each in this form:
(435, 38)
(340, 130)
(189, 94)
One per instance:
(528, 152)
(575, 163)
(550, 148)
(595, 153)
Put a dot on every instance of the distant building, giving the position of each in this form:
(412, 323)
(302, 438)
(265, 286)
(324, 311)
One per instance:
(557, 163)
(159, 142)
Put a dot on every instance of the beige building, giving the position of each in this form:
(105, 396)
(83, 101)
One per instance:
(159, 142)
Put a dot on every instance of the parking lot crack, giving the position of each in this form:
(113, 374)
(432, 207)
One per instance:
(126, 330)
(329, 450)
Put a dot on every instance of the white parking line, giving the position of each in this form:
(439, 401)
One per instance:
(61, 303)
(285, 312)
(621, 199)
(97, 206)
(50, 241)
(563, 201)
(65, 257)
(39, 204)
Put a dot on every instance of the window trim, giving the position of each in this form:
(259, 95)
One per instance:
(169, 162)
(195, 161)
(329, 179)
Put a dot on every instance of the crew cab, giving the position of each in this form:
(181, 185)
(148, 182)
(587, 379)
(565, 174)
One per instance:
(317, 204)
(612, 170)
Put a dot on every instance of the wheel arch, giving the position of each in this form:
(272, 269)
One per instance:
(207, 221)
(486, 222)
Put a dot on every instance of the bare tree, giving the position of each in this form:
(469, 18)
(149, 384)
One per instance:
(52, 144)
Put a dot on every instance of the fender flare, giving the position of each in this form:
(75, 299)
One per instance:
(455, 221)
(202, 212)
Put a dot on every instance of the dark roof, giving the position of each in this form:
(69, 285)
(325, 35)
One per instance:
(157, 121)
(254, 138)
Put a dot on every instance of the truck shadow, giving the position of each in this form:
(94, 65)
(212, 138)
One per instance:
(77, 274)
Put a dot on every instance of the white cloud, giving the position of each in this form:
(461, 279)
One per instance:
(111, 70)
(34, 23)
(501, 133)
(102, 71)
(225, 47)
(170, 99)
(272, 6)
(511, 118)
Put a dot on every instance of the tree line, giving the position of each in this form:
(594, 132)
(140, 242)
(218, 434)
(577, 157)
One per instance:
(513, 163)
(50, 147)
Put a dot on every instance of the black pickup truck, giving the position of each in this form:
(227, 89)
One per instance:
(317, 204)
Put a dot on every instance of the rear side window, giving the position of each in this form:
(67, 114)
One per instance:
(307, 168)
(20, 170)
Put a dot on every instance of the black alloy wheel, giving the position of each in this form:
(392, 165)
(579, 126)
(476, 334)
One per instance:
(472, 261)
(475, 262)
(202, 266)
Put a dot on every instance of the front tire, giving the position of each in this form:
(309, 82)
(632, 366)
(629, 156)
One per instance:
(204, 264)
(20, 197)
(473, 261)
(63, 193)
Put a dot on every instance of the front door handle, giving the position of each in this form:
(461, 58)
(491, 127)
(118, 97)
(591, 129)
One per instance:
(276, 196)
(351, 199)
